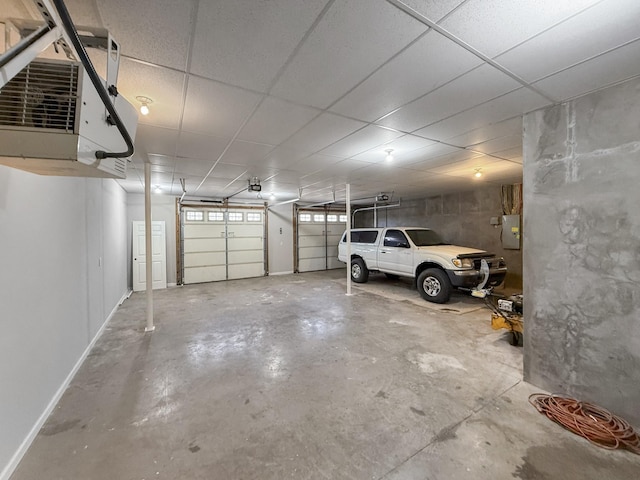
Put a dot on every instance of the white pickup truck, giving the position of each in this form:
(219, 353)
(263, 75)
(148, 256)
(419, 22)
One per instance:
(420, 253)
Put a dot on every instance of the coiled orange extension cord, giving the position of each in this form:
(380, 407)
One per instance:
(594, 423)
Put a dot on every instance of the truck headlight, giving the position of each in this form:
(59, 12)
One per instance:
(462, 262)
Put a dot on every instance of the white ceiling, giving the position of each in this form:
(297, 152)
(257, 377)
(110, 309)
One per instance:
(307, 95)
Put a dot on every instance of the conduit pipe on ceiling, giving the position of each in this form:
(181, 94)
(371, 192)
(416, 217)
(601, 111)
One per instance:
(376, 208)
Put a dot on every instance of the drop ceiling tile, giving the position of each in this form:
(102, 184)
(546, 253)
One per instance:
(251, 40)
(607, 69)
(427, 64)
(513, 154)
(246, 153)
(161, 85)
(83, 13)
(285, 177)
(508, 106)
(494, 26)
(150, 139)
(314, 163)
(465, 167)
(216, 109)
(467, 91)
(350, 42)
(596, 30)
(321, 132)
(408, 143)
(275, 121)
(155, 159)
(194, 166)
(430, 162)
(431, 151)
(499, 144)
(509, 127)
(162, 169)
(281, 191)
(343, 167)
(434, 10)
(161, 177)
(369, 137)
(195, 145)
(229, 171)
(156, 31)
(282, 157)
(390, 173)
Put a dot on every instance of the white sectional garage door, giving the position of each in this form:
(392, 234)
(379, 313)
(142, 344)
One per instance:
(222, 243)
(318, 236)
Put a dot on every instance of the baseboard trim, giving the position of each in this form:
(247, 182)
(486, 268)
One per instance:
(8, 470)
(280, 273)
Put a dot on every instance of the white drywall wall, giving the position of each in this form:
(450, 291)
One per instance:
(56, 290)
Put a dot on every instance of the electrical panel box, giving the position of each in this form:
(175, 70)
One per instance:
(511, 232)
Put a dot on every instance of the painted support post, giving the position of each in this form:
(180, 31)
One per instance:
(348, 212)
(149, 247)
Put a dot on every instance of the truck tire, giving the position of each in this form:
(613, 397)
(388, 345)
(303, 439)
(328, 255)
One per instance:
(434, 285)
(359, 271)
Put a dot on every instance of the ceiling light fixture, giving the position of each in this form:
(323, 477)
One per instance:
(272, 197)
(158, 189)
(389, 157)
(145, 101)
(478, 173)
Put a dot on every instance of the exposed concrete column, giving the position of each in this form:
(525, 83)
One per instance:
(581, 249)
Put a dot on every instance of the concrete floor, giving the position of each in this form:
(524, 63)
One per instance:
(286, 377)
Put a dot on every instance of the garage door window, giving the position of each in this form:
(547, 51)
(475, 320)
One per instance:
(235, 216)
(215, 216)
(305, 217)
(318, 217)
(254, 217)
(332, 218)
(343, 219)
(195, 216)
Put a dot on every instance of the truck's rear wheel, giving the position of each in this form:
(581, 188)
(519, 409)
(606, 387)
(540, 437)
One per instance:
(359, 271)
(434, 285)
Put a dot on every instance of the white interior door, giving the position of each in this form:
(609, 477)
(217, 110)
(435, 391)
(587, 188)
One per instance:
(318, 238)
(159, 253)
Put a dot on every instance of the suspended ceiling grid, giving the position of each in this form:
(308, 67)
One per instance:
(307, 95)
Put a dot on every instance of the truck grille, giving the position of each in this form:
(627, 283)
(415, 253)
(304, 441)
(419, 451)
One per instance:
(492, 262)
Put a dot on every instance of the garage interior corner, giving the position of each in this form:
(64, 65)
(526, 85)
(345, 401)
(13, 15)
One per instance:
(286, 377)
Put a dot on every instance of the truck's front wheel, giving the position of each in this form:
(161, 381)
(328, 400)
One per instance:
(434, 285)
(359, 271)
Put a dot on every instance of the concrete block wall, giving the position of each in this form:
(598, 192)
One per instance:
(582, 248)
(460, 218)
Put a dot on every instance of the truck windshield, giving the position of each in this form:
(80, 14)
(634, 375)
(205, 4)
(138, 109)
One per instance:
(425, 238)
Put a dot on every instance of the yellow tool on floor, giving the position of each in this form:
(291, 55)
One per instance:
(508, 315)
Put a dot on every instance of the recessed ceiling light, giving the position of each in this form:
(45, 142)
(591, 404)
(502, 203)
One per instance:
(158, 189)
(272, 197)
(389, 157)
(478, 173)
